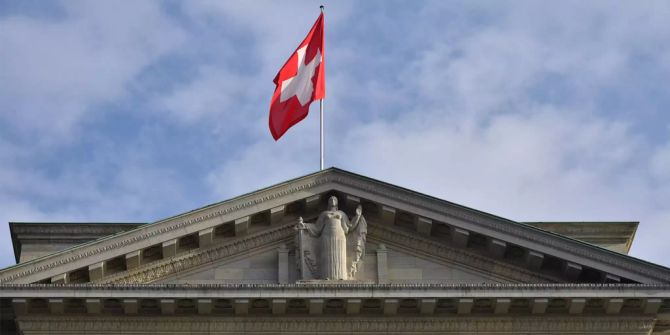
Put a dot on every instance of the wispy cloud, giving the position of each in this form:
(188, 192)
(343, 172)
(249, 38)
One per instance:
(56, 71)
(532, 111)
(512, 117)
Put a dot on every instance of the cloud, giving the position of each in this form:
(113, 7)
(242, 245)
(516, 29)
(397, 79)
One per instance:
(215, 92)
(526, 110)
(55, 72)
(117, 184)
(508, 118)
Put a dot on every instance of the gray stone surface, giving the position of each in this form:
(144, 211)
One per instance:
(255, 268)
(407, 268)
(439, 272)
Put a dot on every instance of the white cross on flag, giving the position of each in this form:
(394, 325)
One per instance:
(299, 82)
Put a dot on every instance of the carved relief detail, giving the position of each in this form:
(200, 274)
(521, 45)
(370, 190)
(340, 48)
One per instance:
(558, 325)
(164, 268)
(397, 237)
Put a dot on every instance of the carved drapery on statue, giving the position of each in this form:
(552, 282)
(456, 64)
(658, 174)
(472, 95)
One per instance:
(333, 247)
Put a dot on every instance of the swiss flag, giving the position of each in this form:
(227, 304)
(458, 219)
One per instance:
(299, 82)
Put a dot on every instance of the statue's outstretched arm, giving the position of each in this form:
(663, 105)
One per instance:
(316, 229)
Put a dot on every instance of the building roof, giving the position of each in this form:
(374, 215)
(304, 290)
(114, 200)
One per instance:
(424, 256)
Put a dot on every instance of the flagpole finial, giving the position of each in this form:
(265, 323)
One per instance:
(322, 8)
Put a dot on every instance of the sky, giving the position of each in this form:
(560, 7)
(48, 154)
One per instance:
(133, 111)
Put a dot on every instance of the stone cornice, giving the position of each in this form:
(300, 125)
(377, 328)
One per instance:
(164, 268)
(303, 187)
(37, 230)
(336, 324)
(198, 218)
(418, 244)
(354, 290)
(167, 267)
(599, 233)
(535, 238)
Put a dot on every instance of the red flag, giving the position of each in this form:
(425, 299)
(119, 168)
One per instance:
(299, 82)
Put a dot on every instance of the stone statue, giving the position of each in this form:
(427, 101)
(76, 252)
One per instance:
(334, 246)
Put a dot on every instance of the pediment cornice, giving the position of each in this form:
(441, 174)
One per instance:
(282, 235)
(333, 290)
(160, 231)
(504, 229)
(196, 258)
(348, 183)
(435, 250)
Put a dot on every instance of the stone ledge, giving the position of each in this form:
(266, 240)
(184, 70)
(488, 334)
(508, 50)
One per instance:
(326, 290)
(336, 324)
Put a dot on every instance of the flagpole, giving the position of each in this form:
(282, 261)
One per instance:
(321, 122)
(321, 129)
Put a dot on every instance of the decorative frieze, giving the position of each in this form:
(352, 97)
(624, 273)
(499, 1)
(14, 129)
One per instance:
(166, 267)
(437, 250)
(555, 325)
(333, 289)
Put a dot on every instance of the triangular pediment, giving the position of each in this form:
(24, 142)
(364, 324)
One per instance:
(403, 266)
(425, 240)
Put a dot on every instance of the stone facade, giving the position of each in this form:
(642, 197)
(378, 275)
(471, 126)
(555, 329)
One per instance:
(426, 265)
